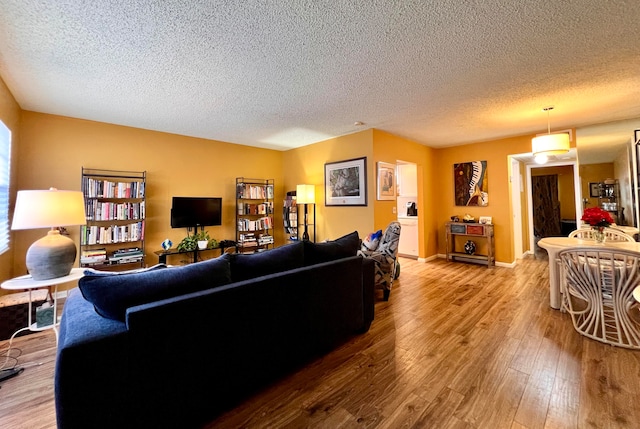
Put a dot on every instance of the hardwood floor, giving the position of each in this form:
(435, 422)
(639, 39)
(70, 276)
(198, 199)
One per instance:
(456, 346)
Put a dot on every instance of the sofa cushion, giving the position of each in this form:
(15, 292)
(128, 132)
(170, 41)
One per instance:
(111, 295)
(249, 266)
(343, 247)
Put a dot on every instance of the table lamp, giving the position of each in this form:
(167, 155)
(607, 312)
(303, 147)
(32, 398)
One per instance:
(305, 194)
(53, 255)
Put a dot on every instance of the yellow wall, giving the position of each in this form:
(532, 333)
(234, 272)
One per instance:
(305, 165)
(10, 115)
(391, 148)
(499, 208)
(53, 149)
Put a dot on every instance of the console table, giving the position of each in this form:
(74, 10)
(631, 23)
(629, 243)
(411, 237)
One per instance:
(476, 230)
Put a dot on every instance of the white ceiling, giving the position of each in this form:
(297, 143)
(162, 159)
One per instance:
(283, 74)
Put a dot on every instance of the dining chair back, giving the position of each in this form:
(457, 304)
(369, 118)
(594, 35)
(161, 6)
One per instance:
(610, 234)
(597, 287)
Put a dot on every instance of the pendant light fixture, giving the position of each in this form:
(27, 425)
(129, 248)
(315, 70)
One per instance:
(550, 144)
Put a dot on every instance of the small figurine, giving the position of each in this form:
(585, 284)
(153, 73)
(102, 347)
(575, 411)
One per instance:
(455, 219)
(166, 244)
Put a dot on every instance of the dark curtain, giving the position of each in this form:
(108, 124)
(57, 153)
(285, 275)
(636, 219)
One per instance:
(546, 206)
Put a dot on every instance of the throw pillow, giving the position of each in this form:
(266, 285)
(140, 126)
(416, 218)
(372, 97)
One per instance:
(94, 272)
(111, 295)
(371, 241)
(249, 266)
(343, 247)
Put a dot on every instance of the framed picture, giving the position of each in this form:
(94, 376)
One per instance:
(386, 181)
(485, 220)
(636, 136)
(471, 184)
(345, 182)
(594, 189)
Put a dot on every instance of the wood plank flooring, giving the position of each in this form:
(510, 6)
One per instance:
(456, 346)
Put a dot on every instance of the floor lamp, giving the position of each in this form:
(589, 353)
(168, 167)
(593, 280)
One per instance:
(306, 194)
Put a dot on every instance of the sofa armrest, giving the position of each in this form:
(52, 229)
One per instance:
(91, 369)
(368, 291)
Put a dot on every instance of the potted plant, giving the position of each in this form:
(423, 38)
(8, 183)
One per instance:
(202, 238)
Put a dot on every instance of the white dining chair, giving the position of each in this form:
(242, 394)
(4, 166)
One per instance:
(610, 234)
(597, 287)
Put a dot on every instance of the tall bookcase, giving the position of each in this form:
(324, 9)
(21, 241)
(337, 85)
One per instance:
(290, 216)
(254, 214)
(113, 238)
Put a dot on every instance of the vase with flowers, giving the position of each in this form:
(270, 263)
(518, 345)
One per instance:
(598, 219)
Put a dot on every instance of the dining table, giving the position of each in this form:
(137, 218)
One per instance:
(553, 245)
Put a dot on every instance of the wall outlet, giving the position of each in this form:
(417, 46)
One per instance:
(393, 210)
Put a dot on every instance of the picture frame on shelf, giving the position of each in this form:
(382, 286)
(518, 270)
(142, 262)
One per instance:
(386, 181)
(345, 182)
(594, 189)
(485, 220)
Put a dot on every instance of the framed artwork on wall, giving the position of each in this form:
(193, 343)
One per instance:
(345, 182)
(471, 183)
(594, 189)
(485, 220)
(386, 181)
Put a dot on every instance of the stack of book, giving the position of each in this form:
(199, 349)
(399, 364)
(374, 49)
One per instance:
(93, 256)
(125, 256)
(248, 240)
(265, 239)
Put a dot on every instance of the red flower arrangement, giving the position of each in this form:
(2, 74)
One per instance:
(597, 218)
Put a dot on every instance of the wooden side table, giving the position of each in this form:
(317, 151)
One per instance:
(27, 283)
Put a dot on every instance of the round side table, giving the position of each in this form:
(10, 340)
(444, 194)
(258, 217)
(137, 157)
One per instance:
(27, 283)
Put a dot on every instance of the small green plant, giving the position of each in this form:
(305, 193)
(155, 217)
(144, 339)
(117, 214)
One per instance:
(188, 244)
(202, 235)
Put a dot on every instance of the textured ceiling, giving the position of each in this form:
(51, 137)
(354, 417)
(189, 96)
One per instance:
(282, 74)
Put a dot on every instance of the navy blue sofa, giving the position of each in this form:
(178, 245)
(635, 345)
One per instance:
(174, 347)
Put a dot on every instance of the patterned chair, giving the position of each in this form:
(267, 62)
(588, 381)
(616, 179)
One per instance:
(385, 258)
(610, 233)
(597, 286)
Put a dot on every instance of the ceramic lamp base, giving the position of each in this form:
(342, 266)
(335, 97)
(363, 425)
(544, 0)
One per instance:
(51, 257)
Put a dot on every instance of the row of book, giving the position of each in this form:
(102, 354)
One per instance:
(98, 210)
(250, 240)
(121, 256)
(255, 225)
(255, 209)
(98, 188)
(112, 234)
(248, 191)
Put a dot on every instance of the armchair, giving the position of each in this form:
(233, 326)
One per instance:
(384, 257)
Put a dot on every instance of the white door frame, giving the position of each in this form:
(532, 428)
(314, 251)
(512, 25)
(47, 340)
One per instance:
(516, 208)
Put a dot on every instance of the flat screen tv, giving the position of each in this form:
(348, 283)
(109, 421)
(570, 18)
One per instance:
(189, 212)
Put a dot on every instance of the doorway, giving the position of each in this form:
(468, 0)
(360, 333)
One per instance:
(569, 206)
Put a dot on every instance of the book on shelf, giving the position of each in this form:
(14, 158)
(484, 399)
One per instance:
(100, 188)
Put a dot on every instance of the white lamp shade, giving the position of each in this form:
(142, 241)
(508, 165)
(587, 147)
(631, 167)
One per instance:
(550, 144)
(48, 209)
(306, 194)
